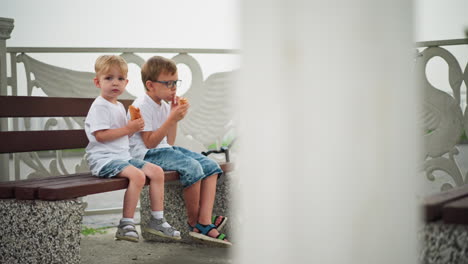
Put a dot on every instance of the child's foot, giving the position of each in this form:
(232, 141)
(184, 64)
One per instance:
(160, 227)
(209, 234)
(126, 231)
(219, 221)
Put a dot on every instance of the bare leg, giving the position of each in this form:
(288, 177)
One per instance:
(156, 189)
(207, 197)
(192, 202)
(136, 179)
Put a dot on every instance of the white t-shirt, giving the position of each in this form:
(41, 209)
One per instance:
(105, 115)
(154, 116)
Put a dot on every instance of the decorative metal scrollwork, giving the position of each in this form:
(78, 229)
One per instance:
(442, 118)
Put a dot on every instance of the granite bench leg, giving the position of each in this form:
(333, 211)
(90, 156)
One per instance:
(174, 209)
(40, 231)
(444, 243)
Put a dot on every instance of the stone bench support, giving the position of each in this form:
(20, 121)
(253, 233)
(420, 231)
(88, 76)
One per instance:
(34, 231)
(443, 243)
(174, 209)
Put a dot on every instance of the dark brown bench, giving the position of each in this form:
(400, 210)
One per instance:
(58, 187)
(450, 207)
(44, 216)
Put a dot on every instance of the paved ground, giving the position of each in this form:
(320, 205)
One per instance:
(103, 249)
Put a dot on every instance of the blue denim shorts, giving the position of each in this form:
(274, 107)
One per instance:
(191, 166)
(114, 167)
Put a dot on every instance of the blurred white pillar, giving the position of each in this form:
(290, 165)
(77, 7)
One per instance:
(328, 132)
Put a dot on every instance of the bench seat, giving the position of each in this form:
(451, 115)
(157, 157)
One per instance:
(72, 186)
(450, 206)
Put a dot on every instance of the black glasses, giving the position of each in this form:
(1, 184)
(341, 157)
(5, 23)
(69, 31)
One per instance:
(170, 84)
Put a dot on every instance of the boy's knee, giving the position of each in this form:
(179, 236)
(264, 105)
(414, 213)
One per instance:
(139, 178)
(154, 172)
(157, 170)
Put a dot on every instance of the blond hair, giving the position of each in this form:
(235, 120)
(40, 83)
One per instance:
(156, 65)
(105, 62)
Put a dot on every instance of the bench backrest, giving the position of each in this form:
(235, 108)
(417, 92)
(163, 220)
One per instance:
(38, 106)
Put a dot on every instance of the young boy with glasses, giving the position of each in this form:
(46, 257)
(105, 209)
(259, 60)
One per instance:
(198, 174)
(108, 153)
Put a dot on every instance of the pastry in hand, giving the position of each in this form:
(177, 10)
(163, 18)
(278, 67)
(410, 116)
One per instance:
(183, 100)
(134, 112)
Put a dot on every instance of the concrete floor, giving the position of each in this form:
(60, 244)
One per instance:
(103, 249)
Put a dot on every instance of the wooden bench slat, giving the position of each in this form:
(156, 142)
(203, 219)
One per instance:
(168, 176)
(79, 189)
(29, 191)
(456, 212)
(7, 188)
(87, 186)
(433, 205)
(75, 185)
(40, 106)
(26, 141)
(226, 166)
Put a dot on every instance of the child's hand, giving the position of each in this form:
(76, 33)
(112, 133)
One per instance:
(174, 101)
(136, 125)
(178, 111)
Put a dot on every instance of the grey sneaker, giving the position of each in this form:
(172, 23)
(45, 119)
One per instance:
(156, 227)
(125, 233)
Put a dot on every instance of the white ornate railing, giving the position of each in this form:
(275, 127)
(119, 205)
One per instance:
(208, 124)
(444, 119)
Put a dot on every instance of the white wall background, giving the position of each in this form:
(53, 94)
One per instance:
(176, 23)
(121, 23)
(207, 24)
(437, 20)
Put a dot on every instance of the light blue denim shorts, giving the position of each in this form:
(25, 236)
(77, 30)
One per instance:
(114, 167)
(191, 166)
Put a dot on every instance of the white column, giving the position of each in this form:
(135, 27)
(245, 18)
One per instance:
(329, 142)
(6, 26)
